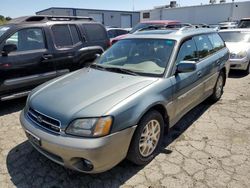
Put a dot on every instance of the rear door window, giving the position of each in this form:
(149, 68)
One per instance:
(187, 52)
(65, 35)
(216, 41)
(95, 32)
(204, 46)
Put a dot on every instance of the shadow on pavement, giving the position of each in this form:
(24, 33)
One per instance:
(28, 168)
(236, 74)
(8, 107)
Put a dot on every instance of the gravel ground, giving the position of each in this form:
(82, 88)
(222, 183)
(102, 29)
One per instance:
(209, 147)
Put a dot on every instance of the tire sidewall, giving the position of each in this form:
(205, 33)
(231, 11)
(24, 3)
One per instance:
(138, 158)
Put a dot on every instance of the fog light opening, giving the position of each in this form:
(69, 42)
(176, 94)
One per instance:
(82, 164)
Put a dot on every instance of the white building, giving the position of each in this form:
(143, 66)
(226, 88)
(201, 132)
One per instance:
(209, 14)
(115, 18)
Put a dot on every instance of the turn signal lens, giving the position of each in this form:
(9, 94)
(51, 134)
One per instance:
(103, 126)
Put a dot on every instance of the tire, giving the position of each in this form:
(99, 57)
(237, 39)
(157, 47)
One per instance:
(141, 155)
(218, 88)
(247, 71)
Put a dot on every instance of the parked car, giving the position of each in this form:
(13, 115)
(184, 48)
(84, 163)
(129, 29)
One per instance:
(122, 104)
(152, 23)
(244, 23)
(228, 25)
(114, 32)
(238, 43)
(38, 48)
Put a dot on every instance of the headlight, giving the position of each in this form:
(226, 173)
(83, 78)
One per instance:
(239, 55)
(91, 127)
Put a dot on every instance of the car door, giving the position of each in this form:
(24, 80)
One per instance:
(28, 65)
(187, 87)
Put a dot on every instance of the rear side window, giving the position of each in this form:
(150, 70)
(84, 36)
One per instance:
(204, 46)
(121, 32)
(95, 32)
(187, 52)
(75, 34)
(65, 35)
(216, 41)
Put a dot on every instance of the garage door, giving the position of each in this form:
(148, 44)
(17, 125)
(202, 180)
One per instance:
(126, 21)
(97, 17)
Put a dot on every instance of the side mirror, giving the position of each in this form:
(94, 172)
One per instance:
(186, 66)
(8, 48)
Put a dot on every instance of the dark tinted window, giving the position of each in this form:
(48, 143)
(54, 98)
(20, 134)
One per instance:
(204, 46)
(216, 41)
(75, 34)
(27, 39)
(62, 36)
(187, 52)
(111, 34)
(146, 15)
(121, 32)
(244, 24)
(95, 32)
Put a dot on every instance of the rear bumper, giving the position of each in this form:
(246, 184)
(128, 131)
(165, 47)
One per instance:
(103, 153)
(239, 64)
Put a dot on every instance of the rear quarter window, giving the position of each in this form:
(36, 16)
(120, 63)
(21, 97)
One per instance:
(216, 42)
(204, 46)
(95, 32)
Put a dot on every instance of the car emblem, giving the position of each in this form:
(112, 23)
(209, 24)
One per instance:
(39, 119)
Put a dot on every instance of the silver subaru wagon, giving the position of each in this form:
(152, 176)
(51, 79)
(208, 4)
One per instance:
(121, 105)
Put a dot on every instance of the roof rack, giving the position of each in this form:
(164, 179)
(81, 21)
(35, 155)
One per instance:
(44, 18)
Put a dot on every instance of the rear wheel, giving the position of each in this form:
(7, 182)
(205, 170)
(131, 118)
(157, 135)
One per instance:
(147, 138)
(218, 89)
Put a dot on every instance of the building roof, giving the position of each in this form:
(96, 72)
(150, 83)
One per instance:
(67, 8)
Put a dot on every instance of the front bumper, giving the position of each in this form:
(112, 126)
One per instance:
(71, 152)
(239, 64)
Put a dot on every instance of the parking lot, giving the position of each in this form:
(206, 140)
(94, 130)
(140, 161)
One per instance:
(209, 147)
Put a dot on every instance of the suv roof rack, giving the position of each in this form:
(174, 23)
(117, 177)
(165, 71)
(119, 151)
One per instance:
(44, 18)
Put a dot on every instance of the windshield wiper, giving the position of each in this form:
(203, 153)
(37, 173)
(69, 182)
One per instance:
(96, 66)
(121, 70)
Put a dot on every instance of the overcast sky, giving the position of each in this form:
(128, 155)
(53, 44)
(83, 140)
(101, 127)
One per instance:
(15, 8)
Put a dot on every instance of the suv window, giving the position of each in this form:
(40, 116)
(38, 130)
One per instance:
(27, 39)
(244, 24)
(95, 32)
(187, 52)
(65, 35)
(216, 41)
(204, 46)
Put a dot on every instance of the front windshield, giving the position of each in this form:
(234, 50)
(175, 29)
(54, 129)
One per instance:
(235, 36)
(147, 57)
(3, 29)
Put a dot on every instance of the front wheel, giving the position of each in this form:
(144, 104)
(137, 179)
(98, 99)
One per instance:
(247, 71)
(218, 89)
(147, 138)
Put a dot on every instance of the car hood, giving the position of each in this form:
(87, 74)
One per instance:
(85, 93)
(236, 47)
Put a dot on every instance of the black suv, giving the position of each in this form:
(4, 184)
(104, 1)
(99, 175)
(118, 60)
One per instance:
(35, 49)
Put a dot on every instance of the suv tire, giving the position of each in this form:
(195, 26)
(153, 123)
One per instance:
(218, 88)
(147, 138)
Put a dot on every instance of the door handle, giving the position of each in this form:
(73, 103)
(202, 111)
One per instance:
(199, 74)
(47, 56)
(218, 62)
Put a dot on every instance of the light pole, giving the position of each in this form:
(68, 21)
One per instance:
(133, 5)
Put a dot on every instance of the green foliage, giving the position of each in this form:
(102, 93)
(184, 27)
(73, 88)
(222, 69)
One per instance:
(4, 20)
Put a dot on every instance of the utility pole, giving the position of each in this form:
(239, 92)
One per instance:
(133, 5)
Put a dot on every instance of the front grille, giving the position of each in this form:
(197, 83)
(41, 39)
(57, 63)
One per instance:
(44, 121)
